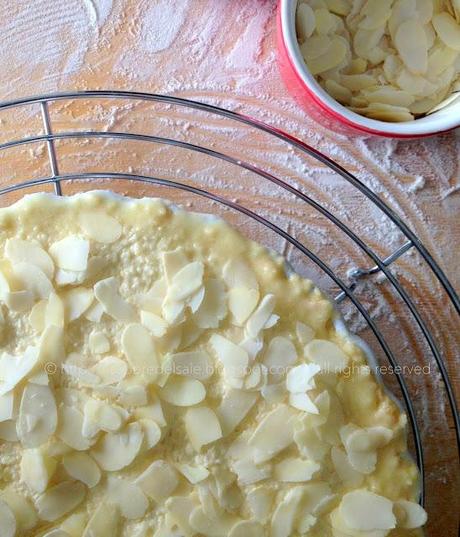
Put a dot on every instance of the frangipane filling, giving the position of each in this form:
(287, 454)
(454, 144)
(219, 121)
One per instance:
(161, 375)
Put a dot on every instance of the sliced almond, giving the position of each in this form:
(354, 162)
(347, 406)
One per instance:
(308, 440)
(23, 511)
(237, 273)
(194, 474)
(340, 93)
(389, 95)
(327, 355)
(305, 21)
(369, 439)
(364, 41)
(357, 66)
(260, 501)
(247, 528)
(33, 279)
(57, 532)
(76, 302)
(118, 450)
(153, 299)
(7, 406)
(315, 46)
(4, 284)
(13, 369)
(186, 281)
(99, 226)
(105, 521)
(448, 29)
(75, 524)
(68, 277)
(212, 527)
(37, 418)
(152, 433)
(365, 511)
(19, 300)
(37, 469)
(213, 307)
(54, 312)
(196, 364)
(324, 23)
(137, 344)
(376, 13)
(339, 7)
(82, 467)
(363, 462)
(410, 515)
(7, 520)
(180, 508)
(262, 318)
(173, 312)
(403, 10)
(94, 312)
(70, 253)
(100, 416)
(80, 375)
(349, 476)
(233, 408)
(284, 517)
(279, 357)
(233, 357)
(183, 391)
(22, 251)
(334, 55)
(158, 481)
(440, 58)
(129, 498)
(301, 378)
(302, 401)
(256, 378)
(98, 343)
(273, 434)
(37, 315)
(196, 300)
(132, 396)
(410, 42)
(154, 323)
(357, 82)
(59, 500)
(70, 428)
(110, 370)
(172, 262)
(294, 470)
(152, 412)
(106, 292)
(202, 426)
(242, 301)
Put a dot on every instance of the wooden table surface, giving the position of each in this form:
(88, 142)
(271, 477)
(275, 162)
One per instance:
(223, 52)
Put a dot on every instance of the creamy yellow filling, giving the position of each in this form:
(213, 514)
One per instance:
(161, 375)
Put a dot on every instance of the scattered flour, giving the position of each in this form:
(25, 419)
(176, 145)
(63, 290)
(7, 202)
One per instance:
(47, 42)
(160, 23)
(224, 52)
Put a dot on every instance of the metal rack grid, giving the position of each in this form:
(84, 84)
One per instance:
(378, 265)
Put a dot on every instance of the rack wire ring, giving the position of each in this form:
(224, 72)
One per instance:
(381, 265)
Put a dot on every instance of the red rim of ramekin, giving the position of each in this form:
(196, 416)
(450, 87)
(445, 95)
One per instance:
(289, 49)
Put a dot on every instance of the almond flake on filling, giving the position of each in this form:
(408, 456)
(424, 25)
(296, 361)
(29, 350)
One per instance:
(210, 394)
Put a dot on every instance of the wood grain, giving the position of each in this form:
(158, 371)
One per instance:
(224, 53)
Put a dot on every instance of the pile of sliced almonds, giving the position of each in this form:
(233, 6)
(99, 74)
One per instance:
(390, 60)
(196, 407)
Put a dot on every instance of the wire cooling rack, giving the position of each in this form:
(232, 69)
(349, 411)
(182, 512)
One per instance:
(76, 141)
